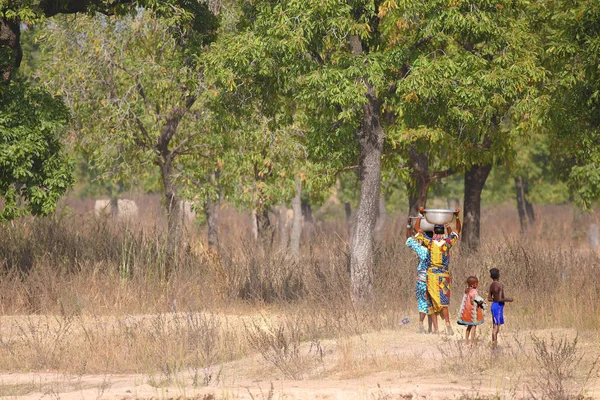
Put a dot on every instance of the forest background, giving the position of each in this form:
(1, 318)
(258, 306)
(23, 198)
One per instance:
(351, 113)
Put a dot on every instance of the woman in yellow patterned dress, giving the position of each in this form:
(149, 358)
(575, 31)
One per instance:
(438, 273)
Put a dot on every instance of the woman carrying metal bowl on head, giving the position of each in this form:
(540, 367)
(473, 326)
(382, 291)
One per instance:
(438, 274)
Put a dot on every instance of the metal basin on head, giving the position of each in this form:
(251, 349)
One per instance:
(438, 216)
(425, 225)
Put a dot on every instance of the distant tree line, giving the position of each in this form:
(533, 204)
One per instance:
(263, 103)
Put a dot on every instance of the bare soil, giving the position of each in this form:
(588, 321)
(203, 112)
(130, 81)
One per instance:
(390, 364)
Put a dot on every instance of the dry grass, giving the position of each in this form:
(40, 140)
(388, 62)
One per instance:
(95, 299)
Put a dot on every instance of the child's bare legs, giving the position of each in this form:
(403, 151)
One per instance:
(473, 331)
(495, 331)
(429, 323)
(467, 333)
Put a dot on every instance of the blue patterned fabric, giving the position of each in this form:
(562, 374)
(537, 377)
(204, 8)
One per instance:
(423, 302)
(423, 255)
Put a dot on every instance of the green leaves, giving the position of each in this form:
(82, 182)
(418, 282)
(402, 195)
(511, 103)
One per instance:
(571, 117)
(34, 171)
(130, 79)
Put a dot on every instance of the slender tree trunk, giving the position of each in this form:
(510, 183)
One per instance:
(307, 217)
(521, 204)
(173, 209)
(348, 212)
(307, 212)
(113, 206)
(115, 193)
(10, 47)
(370, 148)
(475, 179)
(297, 221)
(264, 228)
(254, 226)
(417, 195)
(419, 187)
(211, 210)
(528, 205)
(283, 228)
(370, 143)
(349, 223)
(524, 207)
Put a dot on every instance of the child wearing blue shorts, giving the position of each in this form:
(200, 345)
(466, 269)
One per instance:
(496, 297)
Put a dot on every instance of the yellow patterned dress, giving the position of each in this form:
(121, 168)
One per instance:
(438, 275)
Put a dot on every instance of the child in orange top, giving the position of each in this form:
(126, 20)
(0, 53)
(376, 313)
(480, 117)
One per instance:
(471, 309)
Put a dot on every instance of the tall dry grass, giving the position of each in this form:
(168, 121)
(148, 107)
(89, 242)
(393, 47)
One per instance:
(97, 297)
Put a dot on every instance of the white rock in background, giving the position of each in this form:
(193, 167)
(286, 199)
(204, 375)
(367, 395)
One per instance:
(126, 208)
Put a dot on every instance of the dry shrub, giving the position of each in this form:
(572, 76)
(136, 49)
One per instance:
(88, 270)
(558, 368)
(459, 358)
(69, 264)
(280, 344)
(169, 344)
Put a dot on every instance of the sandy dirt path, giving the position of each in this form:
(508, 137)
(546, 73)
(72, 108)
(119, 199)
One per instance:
(389, 364)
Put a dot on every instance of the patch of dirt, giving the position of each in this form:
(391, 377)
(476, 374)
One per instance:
(385, 365)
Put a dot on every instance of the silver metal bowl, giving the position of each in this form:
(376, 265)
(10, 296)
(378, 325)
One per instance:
(438, 216)
(425, 225)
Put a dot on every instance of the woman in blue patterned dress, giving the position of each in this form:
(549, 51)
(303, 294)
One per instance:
(423, 302)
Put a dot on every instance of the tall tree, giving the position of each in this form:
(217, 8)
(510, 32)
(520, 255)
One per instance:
(34, 169)
(419, 157)
(572, 117)
(14, 15)
(135, 93)
(477, 72)
(331, 57)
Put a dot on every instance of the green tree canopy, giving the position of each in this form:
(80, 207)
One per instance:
(34, 170)
(572, 52)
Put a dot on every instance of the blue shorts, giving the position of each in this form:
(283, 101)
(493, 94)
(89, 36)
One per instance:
(497, 313)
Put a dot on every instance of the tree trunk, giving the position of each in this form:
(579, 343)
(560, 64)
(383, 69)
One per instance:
(297, 221)
(370, 148)
(263, 228)
(10, 47)
(211, 210)
(524, 207)
(417, 195)
(419, 187)
(113, 206)
(475, 179)
(528, 205)
(115, 192)
(348, 212)
(521, 204)
(370, 144)
(173, 209)
(307, 212)
(254, 226)
(283, 228)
